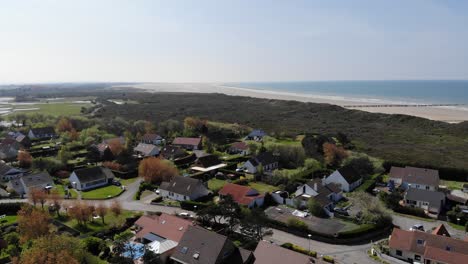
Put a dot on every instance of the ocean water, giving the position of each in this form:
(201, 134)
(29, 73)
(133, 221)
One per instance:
(422, 92)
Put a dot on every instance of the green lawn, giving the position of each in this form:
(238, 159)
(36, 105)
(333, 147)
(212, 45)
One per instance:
(452, 185)
(8, 220)
(458, 227)
(96, 225)
(102, 193)
(61, 191)
(127, 182)
(216, 184)
(262, 187)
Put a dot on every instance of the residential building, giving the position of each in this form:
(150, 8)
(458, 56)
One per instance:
(146, 150)
(22, 139)
(154, 139)
(465, 187)
(458, 197)
(42, 133)
(188, 143)
(266, 160)
(183, 189)
(325, 194)
(243, 195)
(172, 152)
(208, 163)
(256, 135)
(413, 177)
(200, 246)
(427, 248)
(161, 233)
(90, 178)
(9, 149)
(23, 185)
(346, 177)
(241, 148)
(430, 201)
(269, 253)
(7, 172)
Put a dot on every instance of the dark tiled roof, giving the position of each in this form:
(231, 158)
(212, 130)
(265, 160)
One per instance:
(434, 198)
(264, 158)
(208, 161)
(240, 145)
(200, 246)
(151, 137)
(257, 133)
(181, 185)
(43, 131)
(93, 174)
(172, 152)
(349, 174)
(144, 148)
(4, 168)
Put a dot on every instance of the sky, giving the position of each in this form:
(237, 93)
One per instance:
(231, 41)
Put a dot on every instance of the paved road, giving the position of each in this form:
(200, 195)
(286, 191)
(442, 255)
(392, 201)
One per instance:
(406, 223)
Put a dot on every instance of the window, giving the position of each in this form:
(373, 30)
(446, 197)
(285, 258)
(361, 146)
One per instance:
(399, 253)
(427, 187)
(420, 241)
(417, 257)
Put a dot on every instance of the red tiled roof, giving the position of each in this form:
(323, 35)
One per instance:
(240, 145)
(186, 141)
(267, 253)
(241, 194)
(438, 248)
(441, 231)
(167, 226)
(416, 175)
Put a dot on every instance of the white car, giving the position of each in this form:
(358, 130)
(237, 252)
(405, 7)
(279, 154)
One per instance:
(185, 215)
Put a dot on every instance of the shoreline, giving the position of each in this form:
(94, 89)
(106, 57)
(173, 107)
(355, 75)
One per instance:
(450, 114)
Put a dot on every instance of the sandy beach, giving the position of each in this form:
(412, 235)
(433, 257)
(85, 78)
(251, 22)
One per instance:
(440, 113)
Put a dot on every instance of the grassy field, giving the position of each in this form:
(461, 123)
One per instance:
(127, 182)
(54, 109)
(262, 187)
(453, 185)
(216, 184)
(110, 220)
(458, 227)
(8, 220)
(102, 193)
(61, 191)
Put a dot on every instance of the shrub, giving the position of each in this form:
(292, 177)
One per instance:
(328, 259)
(10, 208)
(362, 229)
(297, 224)
(411, 211)
(157, 199)
(190, 205)
(299, 249)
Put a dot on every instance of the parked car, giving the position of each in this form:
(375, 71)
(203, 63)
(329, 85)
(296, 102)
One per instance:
(116, 183)
(417, 227)
(341, 211)
(185, 215)
(240, 170)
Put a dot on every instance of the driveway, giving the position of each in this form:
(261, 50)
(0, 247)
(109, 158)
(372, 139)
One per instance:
(406, 223)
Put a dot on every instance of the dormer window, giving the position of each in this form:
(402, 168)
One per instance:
(448, 248)
(420, 242)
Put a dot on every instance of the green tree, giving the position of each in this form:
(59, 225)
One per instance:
(254, 224)
(315, 208)
(362, 165)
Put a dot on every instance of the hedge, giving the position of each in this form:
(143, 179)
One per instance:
(299, 249)
(411, 211)
(190, 205)
(328, 259)
(362, 229)
(10, 208)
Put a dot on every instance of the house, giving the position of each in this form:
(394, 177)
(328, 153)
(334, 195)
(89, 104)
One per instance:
(172, 152)
(183, 189)
(24, 184)
(325, 194)
(243, 195)
(427, 248)
(42, 133)
(430, 201)
(22, 139)
(268, 253)
(161, 233)
(256, 135)
(146, 150)
(9, 148)
(239, 148)
(465, 187)
(267, 160)
(90, 178)
(458, 197)
(7, 172)
(441, 230)
(413, 177)
(346, 177)
(200, 246)
(208, 163)
(188, 143)
(154, 139)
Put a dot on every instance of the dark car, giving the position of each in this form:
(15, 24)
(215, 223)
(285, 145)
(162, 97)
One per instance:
(116, 183)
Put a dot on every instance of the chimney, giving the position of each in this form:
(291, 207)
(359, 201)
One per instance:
(323, 181)
(315, 187)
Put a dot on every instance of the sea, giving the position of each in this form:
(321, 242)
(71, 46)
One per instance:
(397, 92)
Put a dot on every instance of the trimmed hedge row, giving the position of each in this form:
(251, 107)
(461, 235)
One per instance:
(10, 208)
(299, 249)
(190, 205)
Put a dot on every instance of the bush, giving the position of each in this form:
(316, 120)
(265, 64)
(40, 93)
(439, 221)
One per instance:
(361, 230)
(297, 224)
(190, 205)
(10, 208)
(328, 259)
(299, 249)
(411, 211)
(157, 199)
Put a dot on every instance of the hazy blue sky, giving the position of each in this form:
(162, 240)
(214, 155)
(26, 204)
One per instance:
(221, 40)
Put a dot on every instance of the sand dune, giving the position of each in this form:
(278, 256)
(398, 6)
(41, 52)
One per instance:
(440, 113)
